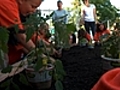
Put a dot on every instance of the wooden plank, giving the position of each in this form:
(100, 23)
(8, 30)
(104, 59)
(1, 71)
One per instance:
(17, 68)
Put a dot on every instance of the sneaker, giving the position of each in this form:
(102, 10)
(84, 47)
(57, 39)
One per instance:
(90, 46)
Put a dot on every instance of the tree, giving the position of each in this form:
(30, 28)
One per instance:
(105, 10)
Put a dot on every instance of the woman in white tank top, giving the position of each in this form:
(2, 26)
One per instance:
(88, 14)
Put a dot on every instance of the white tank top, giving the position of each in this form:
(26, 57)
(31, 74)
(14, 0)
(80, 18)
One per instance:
(88, 12)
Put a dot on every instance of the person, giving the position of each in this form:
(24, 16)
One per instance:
(42, 34)
(72, 39)
(101, 31)
(84, 37)
(60, 12)
(109, 81)
(9, 16)
(89, 17)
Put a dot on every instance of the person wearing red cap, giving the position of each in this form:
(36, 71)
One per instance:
(109, 81)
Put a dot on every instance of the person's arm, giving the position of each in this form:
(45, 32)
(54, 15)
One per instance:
(19, 38)
(95, 14)
(66, 17)
(88, 37)
(82, 15)
(10, 17)
(53, 17)
(108, 31)
(96, 37)
(27, 45)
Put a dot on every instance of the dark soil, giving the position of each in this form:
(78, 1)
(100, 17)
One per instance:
(83, 68)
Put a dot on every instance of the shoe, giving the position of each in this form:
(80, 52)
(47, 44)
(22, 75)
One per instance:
(90, 46)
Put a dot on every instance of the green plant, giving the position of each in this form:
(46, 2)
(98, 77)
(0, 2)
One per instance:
(3, 46)
(39, 57)
(62, 33)
(111, 45)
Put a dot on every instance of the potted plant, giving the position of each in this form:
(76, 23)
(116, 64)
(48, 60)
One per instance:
(38, 63)
(111, 49)
(41, 64)
(62, 42)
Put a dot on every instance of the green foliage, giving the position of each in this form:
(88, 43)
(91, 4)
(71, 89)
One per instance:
(32, 24)
(4, 36)
(35, 57)
(38, 64)
(111, 46)
(63, 29)
(29, 32)
(6, 84)
(15, 86)
(23, 79)
(7, 69)
(105, 10)
(115, 64)
(75, 10)
(58, 85)
(59, 74)
(59, 68)
(82, 40)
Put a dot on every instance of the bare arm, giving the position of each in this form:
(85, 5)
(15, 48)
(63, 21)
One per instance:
(82, 16)
(28, 46)
(95, 15)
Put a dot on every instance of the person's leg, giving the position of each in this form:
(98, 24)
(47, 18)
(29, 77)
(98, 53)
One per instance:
(74, 38)
(92, 26)
(86, 25)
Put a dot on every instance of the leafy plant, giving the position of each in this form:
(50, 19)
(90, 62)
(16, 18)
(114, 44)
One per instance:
(111, 45)
(63, 29)
(39, 57)
(4, 36)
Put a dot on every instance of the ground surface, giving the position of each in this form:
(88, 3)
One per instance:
(83, 68)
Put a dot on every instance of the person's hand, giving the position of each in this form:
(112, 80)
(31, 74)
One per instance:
(82, 22)
(56, 53)
(96, 22)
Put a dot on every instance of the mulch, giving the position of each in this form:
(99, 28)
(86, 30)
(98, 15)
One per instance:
(83, 67)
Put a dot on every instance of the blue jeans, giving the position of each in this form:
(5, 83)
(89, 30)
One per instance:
(90, 26)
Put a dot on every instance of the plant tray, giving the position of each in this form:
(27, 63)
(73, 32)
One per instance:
(110, 59)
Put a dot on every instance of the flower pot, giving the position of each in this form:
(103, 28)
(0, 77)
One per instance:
(40, 80)
(110, 63)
